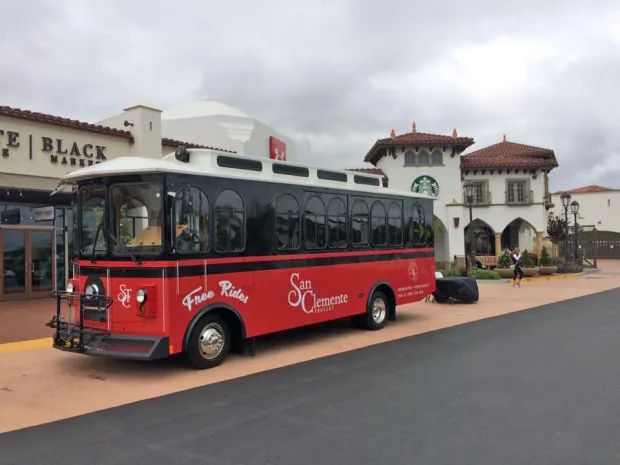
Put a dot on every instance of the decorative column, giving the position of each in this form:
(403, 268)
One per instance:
(498, 244)
(538, 242)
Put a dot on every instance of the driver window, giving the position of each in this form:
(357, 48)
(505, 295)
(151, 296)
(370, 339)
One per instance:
(191, 221)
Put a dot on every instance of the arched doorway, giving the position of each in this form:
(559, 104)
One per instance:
(483, 236)
(441, 243)
(519, 233)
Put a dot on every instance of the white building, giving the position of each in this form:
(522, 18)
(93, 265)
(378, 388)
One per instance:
(598, 206)
(511, 190)
(213, 123)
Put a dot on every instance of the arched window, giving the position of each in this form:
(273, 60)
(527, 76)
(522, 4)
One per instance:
(229, 222)
(423, 158)
(314, 224)
(437, 157)
(409, 158)
(359, 224)
(378, 224)
(395, 224)
(337, 224)
(417, 225)
(191, 221)
(287, 222)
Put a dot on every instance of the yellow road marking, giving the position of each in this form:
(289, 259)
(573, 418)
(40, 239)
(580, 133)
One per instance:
(25, 345)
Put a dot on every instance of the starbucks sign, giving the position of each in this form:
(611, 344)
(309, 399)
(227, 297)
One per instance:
(425, 185)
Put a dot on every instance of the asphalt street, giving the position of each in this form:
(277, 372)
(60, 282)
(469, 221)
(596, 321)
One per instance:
(535, 387)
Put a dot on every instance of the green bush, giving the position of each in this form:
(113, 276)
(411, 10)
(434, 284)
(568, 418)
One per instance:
(545, 259)
(454, 271)
(478, 273)
(505, 260)
(526, 260)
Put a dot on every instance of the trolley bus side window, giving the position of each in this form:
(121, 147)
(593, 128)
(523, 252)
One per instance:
(191, 221)
(359, 224)
(229, 214)
(288, 222)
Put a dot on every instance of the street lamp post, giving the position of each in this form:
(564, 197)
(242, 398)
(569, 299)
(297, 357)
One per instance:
(574, 208)
(565, 197)
(469, 196)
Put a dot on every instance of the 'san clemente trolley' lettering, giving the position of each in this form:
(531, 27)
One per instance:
(202, 251)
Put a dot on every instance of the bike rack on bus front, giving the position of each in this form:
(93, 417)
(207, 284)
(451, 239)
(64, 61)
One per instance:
(66, 331)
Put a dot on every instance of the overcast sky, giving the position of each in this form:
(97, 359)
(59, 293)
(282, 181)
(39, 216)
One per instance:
(335, 76)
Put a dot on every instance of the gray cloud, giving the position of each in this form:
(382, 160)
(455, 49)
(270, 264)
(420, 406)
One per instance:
(335, 76)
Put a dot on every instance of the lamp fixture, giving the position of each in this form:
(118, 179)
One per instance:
(565, 197)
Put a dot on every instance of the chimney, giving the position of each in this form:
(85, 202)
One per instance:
(454, 133)
(413, 128)
(504, 138)
(392, 133)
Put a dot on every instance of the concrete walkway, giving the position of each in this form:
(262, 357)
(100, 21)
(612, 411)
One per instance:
(42, 385)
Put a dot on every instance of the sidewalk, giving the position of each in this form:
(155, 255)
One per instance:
(25, 319)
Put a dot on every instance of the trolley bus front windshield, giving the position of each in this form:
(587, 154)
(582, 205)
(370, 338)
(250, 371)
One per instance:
(135, 220)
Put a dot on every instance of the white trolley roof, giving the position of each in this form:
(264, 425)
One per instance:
(205, 162)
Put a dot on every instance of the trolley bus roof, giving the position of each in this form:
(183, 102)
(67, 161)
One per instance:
(225, 165)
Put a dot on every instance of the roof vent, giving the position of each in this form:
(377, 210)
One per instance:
(182, 154)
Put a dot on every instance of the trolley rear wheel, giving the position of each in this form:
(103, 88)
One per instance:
(377, 312)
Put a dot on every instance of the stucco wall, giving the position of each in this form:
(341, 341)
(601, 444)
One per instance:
(500, 214)
(600, 209)
(31, 157)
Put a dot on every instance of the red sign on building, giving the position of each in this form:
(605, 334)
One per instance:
(277, 149)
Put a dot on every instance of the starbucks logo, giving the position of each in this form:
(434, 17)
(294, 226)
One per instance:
(425, 185)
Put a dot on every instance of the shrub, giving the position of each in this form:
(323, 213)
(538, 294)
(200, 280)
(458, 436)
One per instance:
(526, 260)
(454, 271)
(505, 260)
(478, 273)
(545, 259)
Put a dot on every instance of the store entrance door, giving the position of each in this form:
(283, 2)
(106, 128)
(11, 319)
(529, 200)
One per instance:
(27, 262)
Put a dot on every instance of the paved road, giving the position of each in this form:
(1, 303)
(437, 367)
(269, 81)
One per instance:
(535, 387)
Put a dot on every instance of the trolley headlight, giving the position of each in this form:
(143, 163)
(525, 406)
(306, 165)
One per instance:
(141, 296)
(92, 289)
(70, 288)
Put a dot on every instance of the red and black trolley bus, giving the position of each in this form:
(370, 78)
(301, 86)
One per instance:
(201, 251)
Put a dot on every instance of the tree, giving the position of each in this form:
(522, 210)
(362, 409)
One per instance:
(556, 229)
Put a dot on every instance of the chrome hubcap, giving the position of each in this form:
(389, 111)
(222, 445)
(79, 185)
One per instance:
(211, 340)
(379, 310)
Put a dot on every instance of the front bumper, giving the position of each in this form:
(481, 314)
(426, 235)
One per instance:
(75, 337)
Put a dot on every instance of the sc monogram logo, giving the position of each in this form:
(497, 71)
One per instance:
(124, 295)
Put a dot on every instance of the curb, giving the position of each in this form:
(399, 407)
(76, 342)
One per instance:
(20, 346)
(554, 277)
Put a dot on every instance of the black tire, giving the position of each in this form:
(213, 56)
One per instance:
(202, 353)
(377, 312)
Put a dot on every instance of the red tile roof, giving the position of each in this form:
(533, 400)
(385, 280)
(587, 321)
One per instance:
(60, 121)
(378, 150)
(173, 143)
(588, 190)
(509, 155)
(371, 171)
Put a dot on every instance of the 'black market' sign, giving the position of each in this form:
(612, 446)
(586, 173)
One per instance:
(60, 152)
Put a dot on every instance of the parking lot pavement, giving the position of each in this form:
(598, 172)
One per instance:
(532, 387)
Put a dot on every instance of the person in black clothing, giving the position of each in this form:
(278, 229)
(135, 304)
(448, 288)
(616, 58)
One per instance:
(518, 272)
